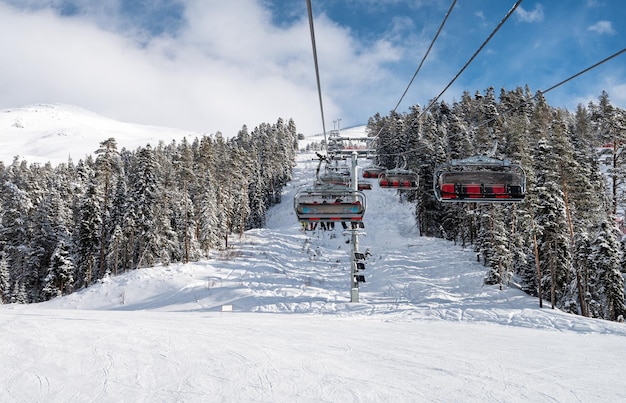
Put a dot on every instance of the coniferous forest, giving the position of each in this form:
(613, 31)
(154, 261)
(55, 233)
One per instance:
(64, 227)
(562, 242)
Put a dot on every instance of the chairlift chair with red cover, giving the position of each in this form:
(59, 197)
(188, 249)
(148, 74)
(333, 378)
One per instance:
(479, 179)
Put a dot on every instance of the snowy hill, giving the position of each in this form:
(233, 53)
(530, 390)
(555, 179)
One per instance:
(425, 329)
(54, 132)
(50, 132)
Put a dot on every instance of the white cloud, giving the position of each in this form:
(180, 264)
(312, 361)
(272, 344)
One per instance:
(536, 15)
(618, 93)
(226, 66)
(602, 28)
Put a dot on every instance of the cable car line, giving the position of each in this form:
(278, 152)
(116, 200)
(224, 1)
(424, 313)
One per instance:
(471, 59)
(332, 198)
(585, 70)
(402, 178)
(317, 70)
(476, 178)
(506, 17)
(540, 92)
(419, 67)
(426, 54)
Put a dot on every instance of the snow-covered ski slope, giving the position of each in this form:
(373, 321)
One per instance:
(425, 329)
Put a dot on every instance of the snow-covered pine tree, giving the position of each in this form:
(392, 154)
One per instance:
(43, 238)
(4, 278)
(168, 218)
(209, 235)
(495, 245)
(87, 242)
(516, 146)
(431, 152)
(609, 124)
(60, 274)
(119, 254)
(390, 139)
(108, 166)
(18, 293)
(607, 257)
(584, 266)
(554, 249)
(223, 187)
(588, 203)
(208, 221)
(15, 233)
(237, 190)
(568, 171)
(145, 195)
(286, 142)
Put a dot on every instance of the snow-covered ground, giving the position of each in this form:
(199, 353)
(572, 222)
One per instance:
(425, 329)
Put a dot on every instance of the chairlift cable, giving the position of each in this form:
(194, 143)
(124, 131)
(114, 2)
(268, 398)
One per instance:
(506, 17)
(540, 92)
(606, 59)
(317, 71)
(432, 43)
(585, 70)
(471, 59)
(426, 54)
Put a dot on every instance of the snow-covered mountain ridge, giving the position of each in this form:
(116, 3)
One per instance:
(52, 132)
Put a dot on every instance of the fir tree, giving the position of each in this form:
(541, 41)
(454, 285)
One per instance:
(144, 198)
(609, 124)
(496, 246)
(15, 235)
(606, 255)
(107, 167)
(4, 279)
(88, 235)
(60, 274)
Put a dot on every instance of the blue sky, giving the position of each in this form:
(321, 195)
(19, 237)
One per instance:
(210, 65)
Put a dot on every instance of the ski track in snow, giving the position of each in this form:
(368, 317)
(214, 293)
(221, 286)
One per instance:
(425, 329)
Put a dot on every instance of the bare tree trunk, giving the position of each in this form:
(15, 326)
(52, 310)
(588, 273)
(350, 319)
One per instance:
(579, 286)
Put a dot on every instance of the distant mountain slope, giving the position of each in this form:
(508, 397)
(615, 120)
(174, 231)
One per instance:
(52, 132)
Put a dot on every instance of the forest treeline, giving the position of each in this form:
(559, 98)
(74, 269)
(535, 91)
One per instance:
(64, 227)
(562, 242)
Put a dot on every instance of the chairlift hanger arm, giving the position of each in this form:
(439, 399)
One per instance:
(317, 70)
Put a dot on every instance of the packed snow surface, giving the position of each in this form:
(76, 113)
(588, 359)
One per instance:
(270, 320)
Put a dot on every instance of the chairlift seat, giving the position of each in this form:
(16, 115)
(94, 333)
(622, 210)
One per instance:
(329, 203)
(398, 179)
(335, 179)
(493, 182)
(372, 172)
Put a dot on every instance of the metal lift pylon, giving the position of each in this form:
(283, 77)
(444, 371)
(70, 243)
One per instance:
(354, 283)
